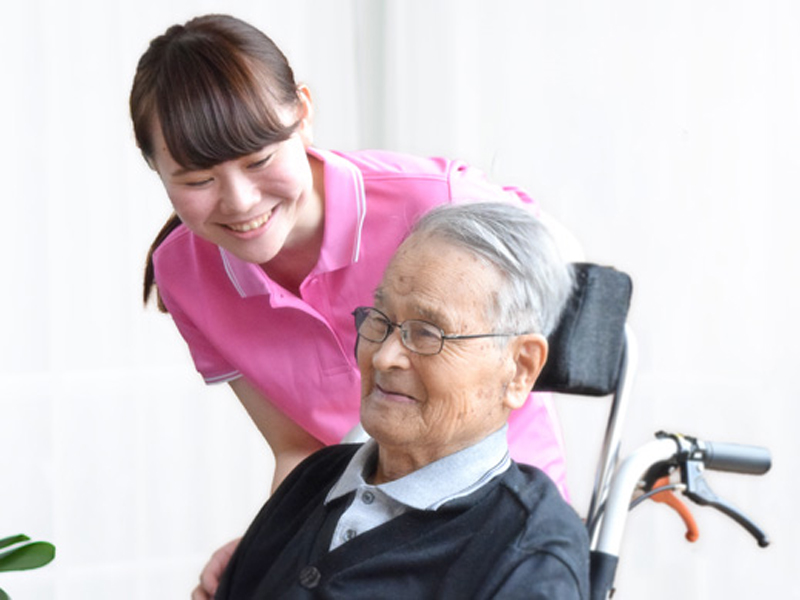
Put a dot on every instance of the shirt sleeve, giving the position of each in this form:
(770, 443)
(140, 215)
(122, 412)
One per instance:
(208, 362)
(470, 184)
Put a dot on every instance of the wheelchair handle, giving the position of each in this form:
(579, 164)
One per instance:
(643, 469)
(736, 458)
(696, 455)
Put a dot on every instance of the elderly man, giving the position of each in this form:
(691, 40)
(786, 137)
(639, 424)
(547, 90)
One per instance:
(432, 506)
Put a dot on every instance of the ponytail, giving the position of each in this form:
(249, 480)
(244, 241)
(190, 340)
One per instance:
(149, 271)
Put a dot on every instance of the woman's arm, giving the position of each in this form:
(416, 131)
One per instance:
(290, 444)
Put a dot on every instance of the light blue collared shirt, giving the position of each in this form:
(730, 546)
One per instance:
(428, 488)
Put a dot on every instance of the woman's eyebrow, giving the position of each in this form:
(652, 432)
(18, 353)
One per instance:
(180, 171)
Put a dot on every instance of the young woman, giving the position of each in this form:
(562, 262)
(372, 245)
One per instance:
(273, 242)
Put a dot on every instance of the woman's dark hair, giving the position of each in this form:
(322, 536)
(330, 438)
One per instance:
(215, 86)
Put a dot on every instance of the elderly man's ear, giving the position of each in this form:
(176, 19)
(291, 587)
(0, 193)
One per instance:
(529, 353)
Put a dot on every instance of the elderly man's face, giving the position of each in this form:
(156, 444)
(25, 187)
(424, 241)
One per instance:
(432, 406)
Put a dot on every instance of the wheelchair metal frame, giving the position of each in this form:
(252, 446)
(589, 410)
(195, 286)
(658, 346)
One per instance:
(642, 471)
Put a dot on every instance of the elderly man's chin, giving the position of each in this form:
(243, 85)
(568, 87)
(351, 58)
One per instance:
(397, 421)
(385, 403)
(387, 412)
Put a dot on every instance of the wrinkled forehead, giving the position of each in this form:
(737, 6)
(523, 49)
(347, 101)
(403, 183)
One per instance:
(434, 277)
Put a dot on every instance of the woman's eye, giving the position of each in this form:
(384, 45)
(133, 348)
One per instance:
(198, 183)
(260, 163)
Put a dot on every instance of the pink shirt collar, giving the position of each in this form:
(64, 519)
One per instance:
(345, 209)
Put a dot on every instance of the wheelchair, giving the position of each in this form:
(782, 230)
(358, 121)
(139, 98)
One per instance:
(592, 353)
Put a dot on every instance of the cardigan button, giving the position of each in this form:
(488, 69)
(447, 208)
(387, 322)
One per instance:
(309, 577)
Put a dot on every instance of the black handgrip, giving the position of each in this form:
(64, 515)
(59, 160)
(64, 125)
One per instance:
(721, 456)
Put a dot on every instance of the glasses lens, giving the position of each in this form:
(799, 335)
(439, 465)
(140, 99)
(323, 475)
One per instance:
(422, 337)
(373, 325)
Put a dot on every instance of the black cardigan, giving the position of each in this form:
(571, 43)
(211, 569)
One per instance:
(513, 538)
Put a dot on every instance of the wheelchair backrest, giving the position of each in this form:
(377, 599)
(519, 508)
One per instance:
(587, 346)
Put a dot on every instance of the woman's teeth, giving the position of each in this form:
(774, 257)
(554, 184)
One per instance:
(254, 224)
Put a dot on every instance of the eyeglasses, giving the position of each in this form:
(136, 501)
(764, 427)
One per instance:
(418, 336)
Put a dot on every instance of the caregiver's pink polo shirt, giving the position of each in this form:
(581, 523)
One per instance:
(299, 351)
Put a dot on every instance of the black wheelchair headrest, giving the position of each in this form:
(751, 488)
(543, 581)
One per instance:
(586, 348)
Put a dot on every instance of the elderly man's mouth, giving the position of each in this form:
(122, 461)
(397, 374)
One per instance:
(395, 395)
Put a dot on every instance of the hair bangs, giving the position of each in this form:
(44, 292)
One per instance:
(216, 109)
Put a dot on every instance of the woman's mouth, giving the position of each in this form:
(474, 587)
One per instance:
(249, 225)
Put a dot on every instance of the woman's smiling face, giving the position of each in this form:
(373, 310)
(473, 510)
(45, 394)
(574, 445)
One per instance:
(252, 206)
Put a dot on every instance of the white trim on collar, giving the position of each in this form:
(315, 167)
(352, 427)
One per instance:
(428, 488)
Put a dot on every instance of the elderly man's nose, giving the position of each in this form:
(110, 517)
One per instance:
(392, 352)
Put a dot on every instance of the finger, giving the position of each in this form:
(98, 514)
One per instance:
(199, 594)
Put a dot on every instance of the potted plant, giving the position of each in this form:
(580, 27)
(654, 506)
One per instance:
(23, 554)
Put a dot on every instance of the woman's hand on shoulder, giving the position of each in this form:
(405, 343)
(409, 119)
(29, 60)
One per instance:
(212, 572)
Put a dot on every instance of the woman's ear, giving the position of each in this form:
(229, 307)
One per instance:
(529, 353)
(305, 114)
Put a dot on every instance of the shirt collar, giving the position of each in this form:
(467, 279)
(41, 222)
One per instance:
(428, 488)
(345, 209)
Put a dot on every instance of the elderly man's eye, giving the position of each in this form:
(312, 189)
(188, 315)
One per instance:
(427, 332)
(379, 321)
(425, 335)
(375, 326)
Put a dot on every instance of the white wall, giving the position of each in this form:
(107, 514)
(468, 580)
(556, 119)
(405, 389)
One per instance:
(663, 134)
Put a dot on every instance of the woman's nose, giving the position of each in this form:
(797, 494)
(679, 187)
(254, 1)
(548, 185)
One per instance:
(238, 194)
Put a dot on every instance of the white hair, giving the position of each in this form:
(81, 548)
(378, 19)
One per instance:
(537, 280)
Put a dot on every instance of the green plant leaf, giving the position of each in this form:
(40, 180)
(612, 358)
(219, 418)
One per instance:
(4, 596)
(30, 556)
(10, 541)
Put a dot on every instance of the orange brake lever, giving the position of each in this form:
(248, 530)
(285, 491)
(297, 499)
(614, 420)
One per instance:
(671, 500)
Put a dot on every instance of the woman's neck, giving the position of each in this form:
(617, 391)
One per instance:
(297, 259)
